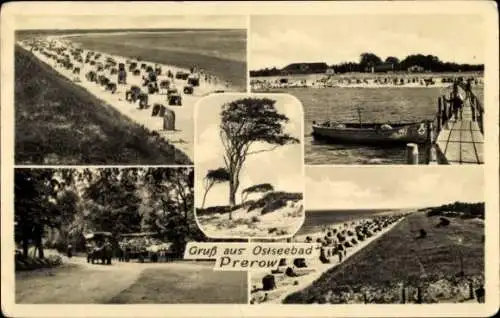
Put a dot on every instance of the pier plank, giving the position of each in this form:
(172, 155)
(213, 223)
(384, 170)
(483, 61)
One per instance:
(462, 141)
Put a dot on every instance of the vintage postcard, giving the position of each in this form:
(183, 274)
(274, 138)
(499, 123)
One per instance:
(250, 159)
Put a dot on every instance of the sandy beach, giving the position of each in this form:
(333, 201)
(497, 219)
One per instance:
(182, 137)
(286, 285)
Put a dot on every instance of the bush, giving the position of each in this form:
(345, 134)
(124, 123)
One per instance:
(30, 263)
(255, 219)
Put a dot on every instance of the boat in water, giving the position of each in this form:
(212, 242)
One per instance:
(372, 133)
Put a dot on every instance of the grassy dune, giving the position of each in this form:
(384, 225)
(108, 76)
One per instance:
(222, 52)
(399, 256)
(60, 123)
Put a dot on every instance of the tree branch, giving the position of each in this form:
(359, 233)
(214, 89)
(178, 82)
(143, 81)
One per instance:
(264, 150)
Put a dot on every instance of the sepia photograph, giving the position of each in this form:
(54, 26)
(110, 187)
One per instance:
(119, 90)
(378, 89)
(411, 237)
(112, 236)
(250, 159)
(249, 165)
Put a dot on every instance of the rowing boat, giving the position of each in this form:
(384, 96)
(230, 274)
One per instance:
(369, 133)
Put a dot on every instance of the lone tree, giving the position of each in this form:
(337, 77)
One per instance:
(245, 122)
(212, 178)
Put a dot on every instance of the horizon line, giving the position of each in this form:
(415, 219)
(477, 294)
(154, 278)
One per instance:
(400, 208)
(344, 62)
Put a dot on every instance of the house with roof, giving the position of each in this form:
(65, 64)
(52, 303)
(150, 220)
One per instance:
(416, 69)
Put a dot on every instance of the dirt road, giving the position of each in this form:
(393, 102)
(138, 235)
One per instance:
(77, 282)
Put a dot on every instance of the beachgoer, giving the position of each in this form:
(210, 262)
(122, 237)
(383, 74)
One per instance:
(468, 91)
(456, 104)
(70, 251)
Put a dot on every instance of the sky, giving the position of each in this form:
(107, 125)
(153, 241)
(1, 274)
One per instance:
(281, 40)
(129, 22)
(391, 187)
(282, 167)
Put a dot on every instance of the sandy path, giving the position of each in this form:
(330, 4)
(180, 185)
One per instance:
(183, 136)
(75, 282)
(79, 282)
(287, 286)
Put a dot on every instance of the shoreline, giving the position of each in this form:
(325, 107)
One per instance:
(371, 86)
(320, 269)
(182, 138)
(104, 34)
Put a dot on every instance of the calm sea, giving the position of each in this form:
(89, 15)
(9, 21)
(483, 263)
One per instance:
(380, 105)
(316, 219)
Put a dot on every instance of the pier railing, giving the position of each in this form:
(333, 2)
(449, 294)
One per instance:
(476, 107)
(431, 153)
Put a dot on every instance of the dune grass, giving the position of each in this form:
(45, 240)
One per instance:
(269, 202)
(57, 122)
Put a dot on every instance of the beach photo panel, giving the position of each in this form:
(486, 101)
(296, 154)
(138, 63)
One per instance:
(119, 90)
(369, 89)
(249, 165)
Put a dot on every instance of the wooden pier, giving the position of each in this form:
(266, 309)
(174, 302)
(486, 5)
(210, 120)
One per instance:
(458, 140)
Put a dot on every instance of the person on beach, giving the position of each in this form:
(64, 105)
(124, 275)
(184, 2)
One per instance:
(69, 251)
(456, 102)
(468, 89)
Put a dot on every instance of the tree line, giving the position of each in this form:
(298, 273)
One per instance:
(466, 210)
(72, 202)
(368, 60)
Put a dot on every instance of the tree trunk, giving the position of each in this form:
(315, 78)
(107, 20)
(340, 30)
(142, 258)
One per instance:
(205, 197)
(39, 246)
(232, 194)
(232, 197)
(25, 247)
(38, 241)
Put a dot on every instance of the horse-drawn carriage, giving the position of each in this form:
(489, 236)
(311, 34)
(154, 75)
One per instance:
(143, 246)
(99, 247)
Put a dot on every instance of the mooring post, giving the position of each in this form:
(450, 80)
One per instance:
(412, 154)
(430, 132)
(432, 155)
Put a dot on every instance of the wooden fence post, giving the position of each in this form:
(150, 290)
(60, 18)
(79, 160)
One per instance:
(471, 290)
(439, 113)
(412, 154)
(419, 295)
(473, 110)
(403, 294)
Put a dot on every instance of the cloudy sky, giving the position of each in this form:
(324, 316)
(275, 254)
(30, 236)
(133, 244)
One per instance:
(390, 187)
(281, 167)
(129, 22)
(280, 40)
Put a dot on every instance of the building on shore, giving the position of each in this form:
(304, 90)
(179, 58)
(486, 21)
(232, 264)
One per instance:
(305, 68)
(416, 69)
